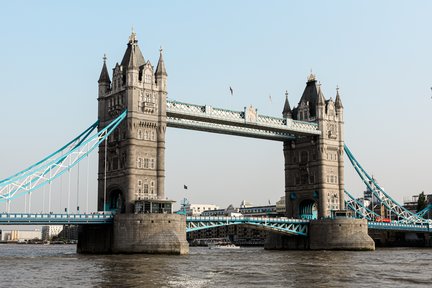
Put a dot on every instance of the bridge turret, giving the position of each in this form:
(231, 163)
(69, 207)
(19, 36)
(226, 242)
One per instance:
(132, 62)
(161, 74)
(338, 105)
(104, 79)
(286, 112)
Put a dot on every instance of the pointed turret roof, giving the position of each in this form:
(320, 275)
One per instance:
(286, 113)
(133, 56)
(160, 69)
(104, 76)
(321, 98)
(311, 94)
(338, 101)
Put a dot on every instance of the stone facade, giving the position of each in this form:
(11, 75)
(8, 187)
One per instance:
(314, 165)
(150, 233)
(131, 161)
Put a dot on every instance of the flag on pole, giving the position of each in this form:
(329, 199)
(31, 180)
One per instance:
(231, 90)
(185, 187)
(270, 98)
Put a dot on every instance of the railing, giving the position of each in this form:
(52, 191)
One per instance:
(399, 227)
(55, 219)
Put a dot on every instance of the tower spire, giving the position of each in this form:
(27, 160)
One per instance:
(104, 76)
(338, 101)
(286, 113)
(160, 69)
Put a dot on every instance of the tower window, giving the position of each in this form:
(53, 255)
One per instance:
(147, 78)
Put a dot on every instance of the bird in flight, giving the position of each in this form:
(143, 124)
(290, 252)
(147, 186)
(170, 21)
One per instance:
(231, 90)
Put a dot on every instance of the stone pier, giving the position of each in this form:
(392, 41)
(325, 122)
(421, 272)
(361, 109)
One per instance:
(136, 233)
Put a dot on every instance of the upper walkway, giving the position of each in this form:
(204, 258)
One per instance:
(247, 123)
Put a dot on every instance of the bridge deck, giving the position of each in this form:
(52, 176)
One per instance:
(282, 224)
(54, 219)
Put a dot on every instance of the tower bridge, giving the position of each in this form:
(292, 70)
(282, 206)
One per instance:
(133, 114)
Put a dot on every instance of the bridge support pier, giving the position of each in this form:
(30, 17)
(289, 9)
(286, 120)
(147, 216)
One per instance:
(326, 234)
(136, 233)
(340, 234)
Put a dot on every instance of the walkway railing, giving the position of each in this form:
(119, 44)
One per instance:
(280, 225)
(55, 219)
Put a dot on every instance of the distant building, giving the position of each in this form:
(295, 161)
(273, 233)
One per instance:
(20, 235)
(245, 209)
(239, 234)
(280, 206)
(411, 204)
(50, 231)
(198, 209)
(245, 204)
(69, 232)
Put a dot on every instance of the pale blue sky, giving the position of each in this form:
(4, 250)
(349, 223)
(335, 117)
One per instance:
(378, 52)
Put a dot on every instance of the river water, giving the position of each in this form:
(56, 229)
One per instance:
(60, 266)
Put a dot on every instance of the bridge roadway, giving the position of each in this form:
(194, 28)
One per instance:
(281, 225)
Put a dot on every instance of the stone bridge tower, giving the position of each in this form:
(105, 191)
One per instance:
(131, 163)
(314, 178)
(133, 166)
(314, 165)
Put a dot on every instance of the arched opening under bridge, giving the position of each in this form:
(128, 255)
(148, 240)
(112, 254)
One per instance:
(116, 201)
(308, 209)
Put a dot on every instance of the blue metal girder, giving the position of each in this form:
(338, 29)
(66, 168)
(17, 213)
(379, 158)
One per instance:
(399, 227)
(57, 163)
(54, 219)
(360, 211)
(280, 225)
(406, 216)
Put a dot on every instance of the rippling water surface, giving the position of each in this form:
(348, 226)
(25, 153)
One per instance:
(60, 266)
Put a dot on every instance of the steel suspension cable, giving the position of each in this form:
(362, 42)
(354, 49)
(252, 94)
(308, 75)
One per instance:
(384, 199)
(105, 173)
(69, 189)
(34, 178)
(78, 176)
(87, 178)
(49, 193)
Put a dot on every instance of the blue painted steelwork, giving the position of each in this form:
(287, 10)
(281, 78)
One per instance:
(403, 214)
(245, 123)
(73, 143)
(55, 219)
(394, 226)
(424, 211)
(280, 225)
(57, 163)
(360, 211)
